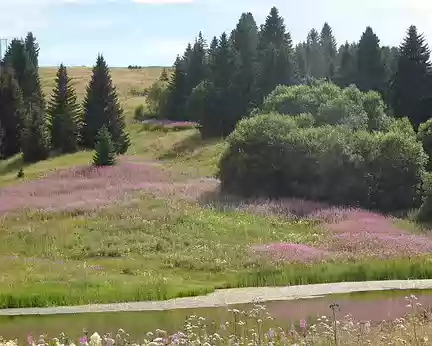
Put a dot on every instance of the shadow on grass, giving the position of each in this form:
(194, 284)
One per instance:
(187, 146)
(290, 208)
(13, 164)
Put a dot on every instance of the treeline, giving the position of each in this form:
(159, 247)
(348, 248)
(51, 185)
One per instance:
(37, 128)
(221, 82)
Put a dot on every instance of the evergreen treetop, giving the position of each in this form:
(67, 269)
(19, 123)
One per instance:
(370, 64)
(410, 88)
(64, 114)
(25, 72)
(101, 107)
(32, 48)
(11, 113)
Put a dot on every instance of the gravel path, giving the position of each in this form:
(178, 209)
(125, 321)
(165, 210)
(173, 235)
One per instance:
(232, 296)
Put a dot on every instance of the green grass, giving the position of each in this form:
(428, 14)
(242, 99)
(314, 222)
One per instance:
(152, 249)
(157, 249)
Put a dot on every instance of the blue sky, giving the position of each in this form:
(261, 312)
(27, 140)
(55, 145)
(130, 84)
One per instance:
(153, 32)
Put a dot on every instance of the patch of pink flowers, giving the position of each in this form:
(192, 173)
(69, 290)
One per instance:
(353, 233)
(89, 187)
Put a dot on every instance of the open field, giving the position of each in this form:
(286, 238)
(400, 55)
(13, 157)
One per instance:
(154, 227)
(126, 80)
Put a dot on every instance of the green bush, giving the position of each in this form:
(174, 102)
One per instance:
(425, 136)
(156, 99)
(275, 155)
(139, 113)
(329, 104)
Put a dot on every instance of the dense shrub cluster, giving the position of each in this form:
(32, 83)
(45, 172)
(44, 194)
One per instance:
(329, 104)
(282, 156)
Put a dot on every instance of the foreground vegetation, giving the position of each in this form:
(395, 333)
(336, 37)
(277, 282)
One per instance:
(257, 327)
(152, 249)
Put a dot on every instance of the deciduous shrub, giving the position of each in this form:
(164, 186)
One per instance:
(329, 104)
(278, 156)
(425, 136)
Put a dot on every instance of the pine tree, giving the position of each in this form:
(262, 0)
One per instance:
(410, 85)
(370, 64)
(300, 56)
(347, 71)
(101, 107)
(177, 92)
(32, 47)
(329, 50)
(35, 137)
(17, 57)
(11, 113)
(215, 99)
(196, 63)
(64, 114)
(245, 43)
(105, 153)
(314, 56)
(275, 54)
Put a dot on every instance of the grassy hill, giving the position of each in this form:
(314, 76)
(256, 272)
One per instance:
(126, 80)
(155, 227)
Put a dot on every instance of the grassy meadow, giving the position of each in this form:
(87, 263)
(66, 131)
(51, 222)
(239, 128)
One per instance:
(153, 243)
(126, 80)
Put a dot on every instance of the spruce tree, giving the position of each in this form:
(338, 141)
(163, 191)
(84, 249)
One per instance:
(410, 89)
(64, 114)
(177, 92)
(101, 107)
(329, 50)
(32, 48)
(35, 141)
(301, 61)
(245, 43)
(275, 54)
(18, 58)
(105, 153)
(196, 63)
(215, 99)
(11, 113)
(347, 72)
(315, 56)
(370, 64)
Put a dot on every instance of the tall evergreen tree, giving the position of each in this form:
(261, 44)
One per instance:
(35, 141)
(32, 48)
(196, 63)
(347, 71)
(64, 114)
(245, 43)
(315, 56)
(329, 50)
(17, 57)
(275, 54)
(410, 90)
(215, 98)
(370, 64)
(301, 60)
(101, 107)
(11, 113)
(177, 92)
